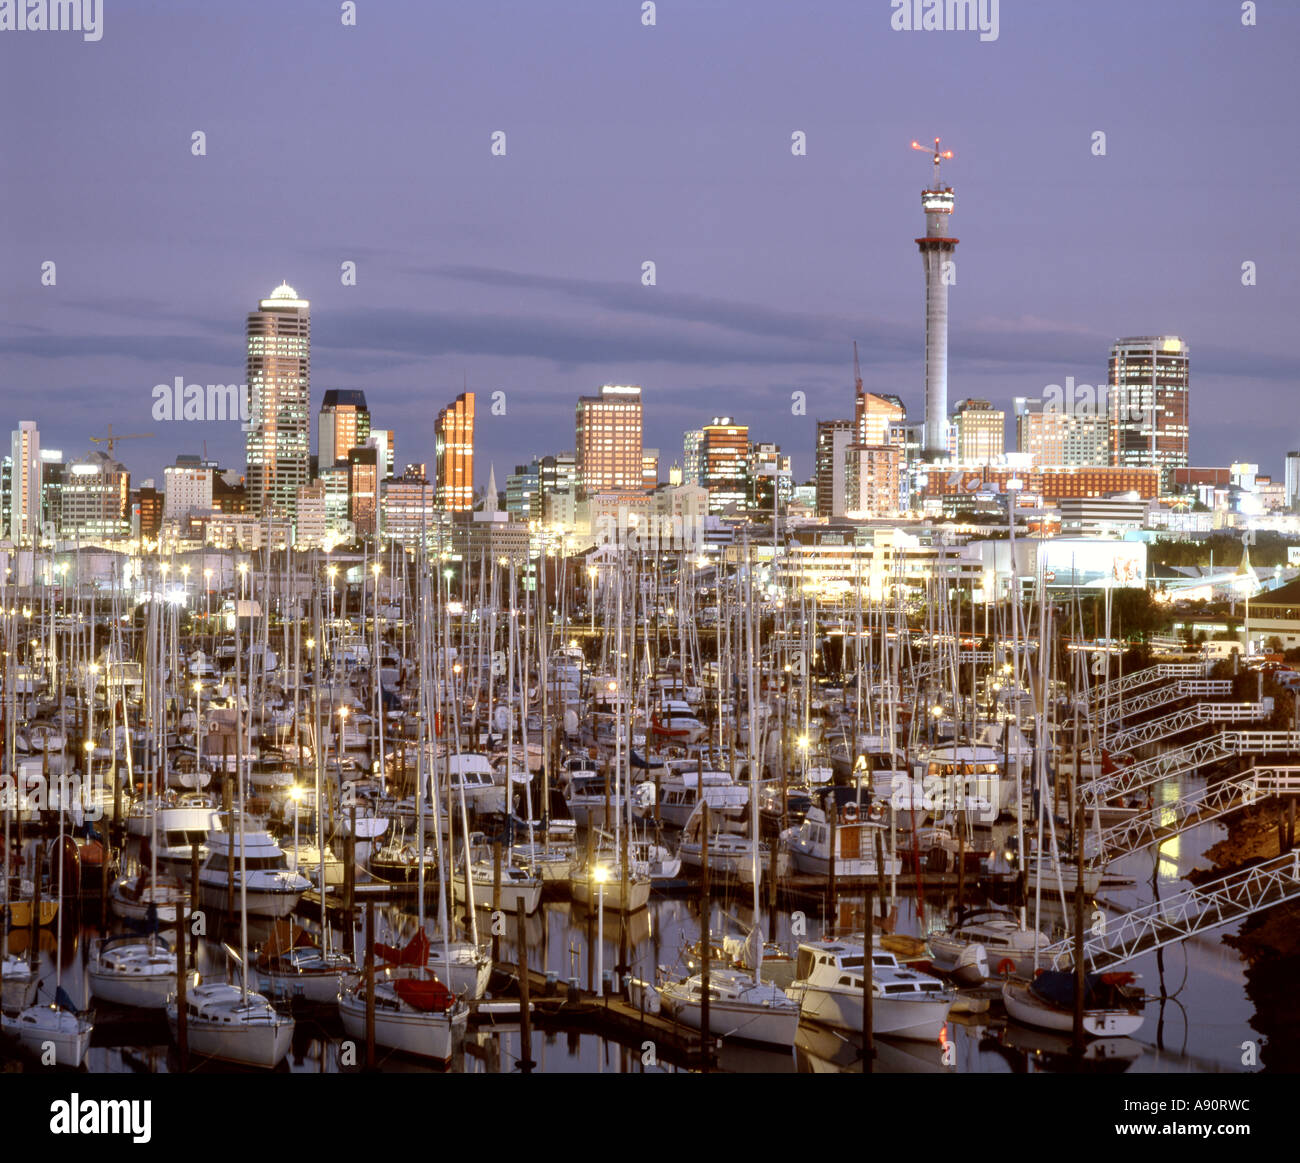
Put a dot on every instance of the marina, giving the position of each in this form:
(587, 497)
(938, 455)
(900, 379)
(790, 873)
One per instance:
(594, 848)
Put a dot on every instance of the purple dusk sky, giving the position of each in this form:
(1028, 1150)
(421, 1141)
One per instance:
(627, 143)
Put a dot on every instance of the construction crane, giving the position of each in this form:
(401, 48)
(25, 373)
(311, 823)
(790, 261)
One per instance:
(857, 371)
(112, 439)
(944, 155)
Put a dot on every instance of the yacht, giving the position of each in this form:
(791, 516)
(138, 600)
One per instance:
(980, 947)
(849, 833)
(905, 1003)
(272, 889)
(414, 1013)
(134, 971)
(229, 1023)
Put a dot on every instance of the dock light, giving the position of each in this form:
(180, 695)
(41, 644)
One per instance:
(613, 686)
(88, 746)
(376, 569)
(803, 742)
(333, 571)
(311, 643)
(343, 712)
(573, 644)
(936, 711)
(455, 668)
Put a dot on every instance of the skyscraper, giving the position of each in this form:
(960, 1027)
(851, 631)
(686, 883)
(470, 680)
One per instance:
(608, 436)
(1148, 403)
(342, 425)
(724, 455)
(279, 406)
(454, 447)
(833, 440)
(936, 254)
(25, 490)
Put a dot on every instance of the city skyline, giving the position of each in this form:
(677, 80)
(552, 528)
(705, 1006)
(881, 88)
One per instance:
(529, 278)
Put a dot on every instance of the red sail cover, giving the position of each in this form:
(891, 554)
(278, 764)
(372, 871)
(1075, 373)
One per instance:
(428, 996)
(415, 953)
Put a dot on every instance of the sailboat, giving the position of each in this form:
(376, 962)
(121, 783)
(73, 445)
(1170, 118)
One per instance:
(413, 1011)
(60, 1025)
(226, 1021)
(1111, 1008)
(742, 1007)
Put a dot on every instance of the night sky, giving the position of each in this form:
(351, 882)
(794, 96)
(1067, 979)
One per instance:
(625, 143)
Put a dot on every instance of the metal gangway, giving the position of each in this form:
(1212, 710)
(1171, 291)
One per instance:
(1186, 719)
(1145, 677)
(1195, 910)
(1182, 760)
(1160, 696)
(1158, 823)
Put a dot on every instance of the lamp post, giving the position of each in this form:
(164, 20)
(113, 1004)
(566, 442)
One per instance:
(243, 580)
(207, 591)
(591, 596)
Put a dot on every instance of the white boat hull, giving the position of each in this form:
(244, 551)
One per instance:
(914, 1016)
(1025, 1008)
(737, 1021)
(39, 1028)
(424, 1035)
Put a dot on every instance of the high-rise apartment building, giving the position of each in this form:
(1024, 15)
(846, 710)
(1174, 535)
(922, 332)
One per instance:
(95, 499)
(454, 448)
(1148, 404)
(833, 440)
(978, 432)
(872, 480)
(1059, 434)
(768, 478)
(692, 466)
(24, 518)
(188, 486)
(363, 491)
(278, 444)
(342, 425)
(608, 438)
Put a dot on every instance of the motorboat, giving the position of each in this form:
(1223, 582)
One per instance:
(847, 832)
(981, 947)
(905, 1003)
(270, 887)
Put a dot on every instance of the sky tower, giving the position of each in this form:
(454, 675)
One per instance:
(936, 251)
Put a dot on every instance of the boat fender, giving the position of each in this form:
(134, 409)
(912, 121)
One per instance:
(1006, 966)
